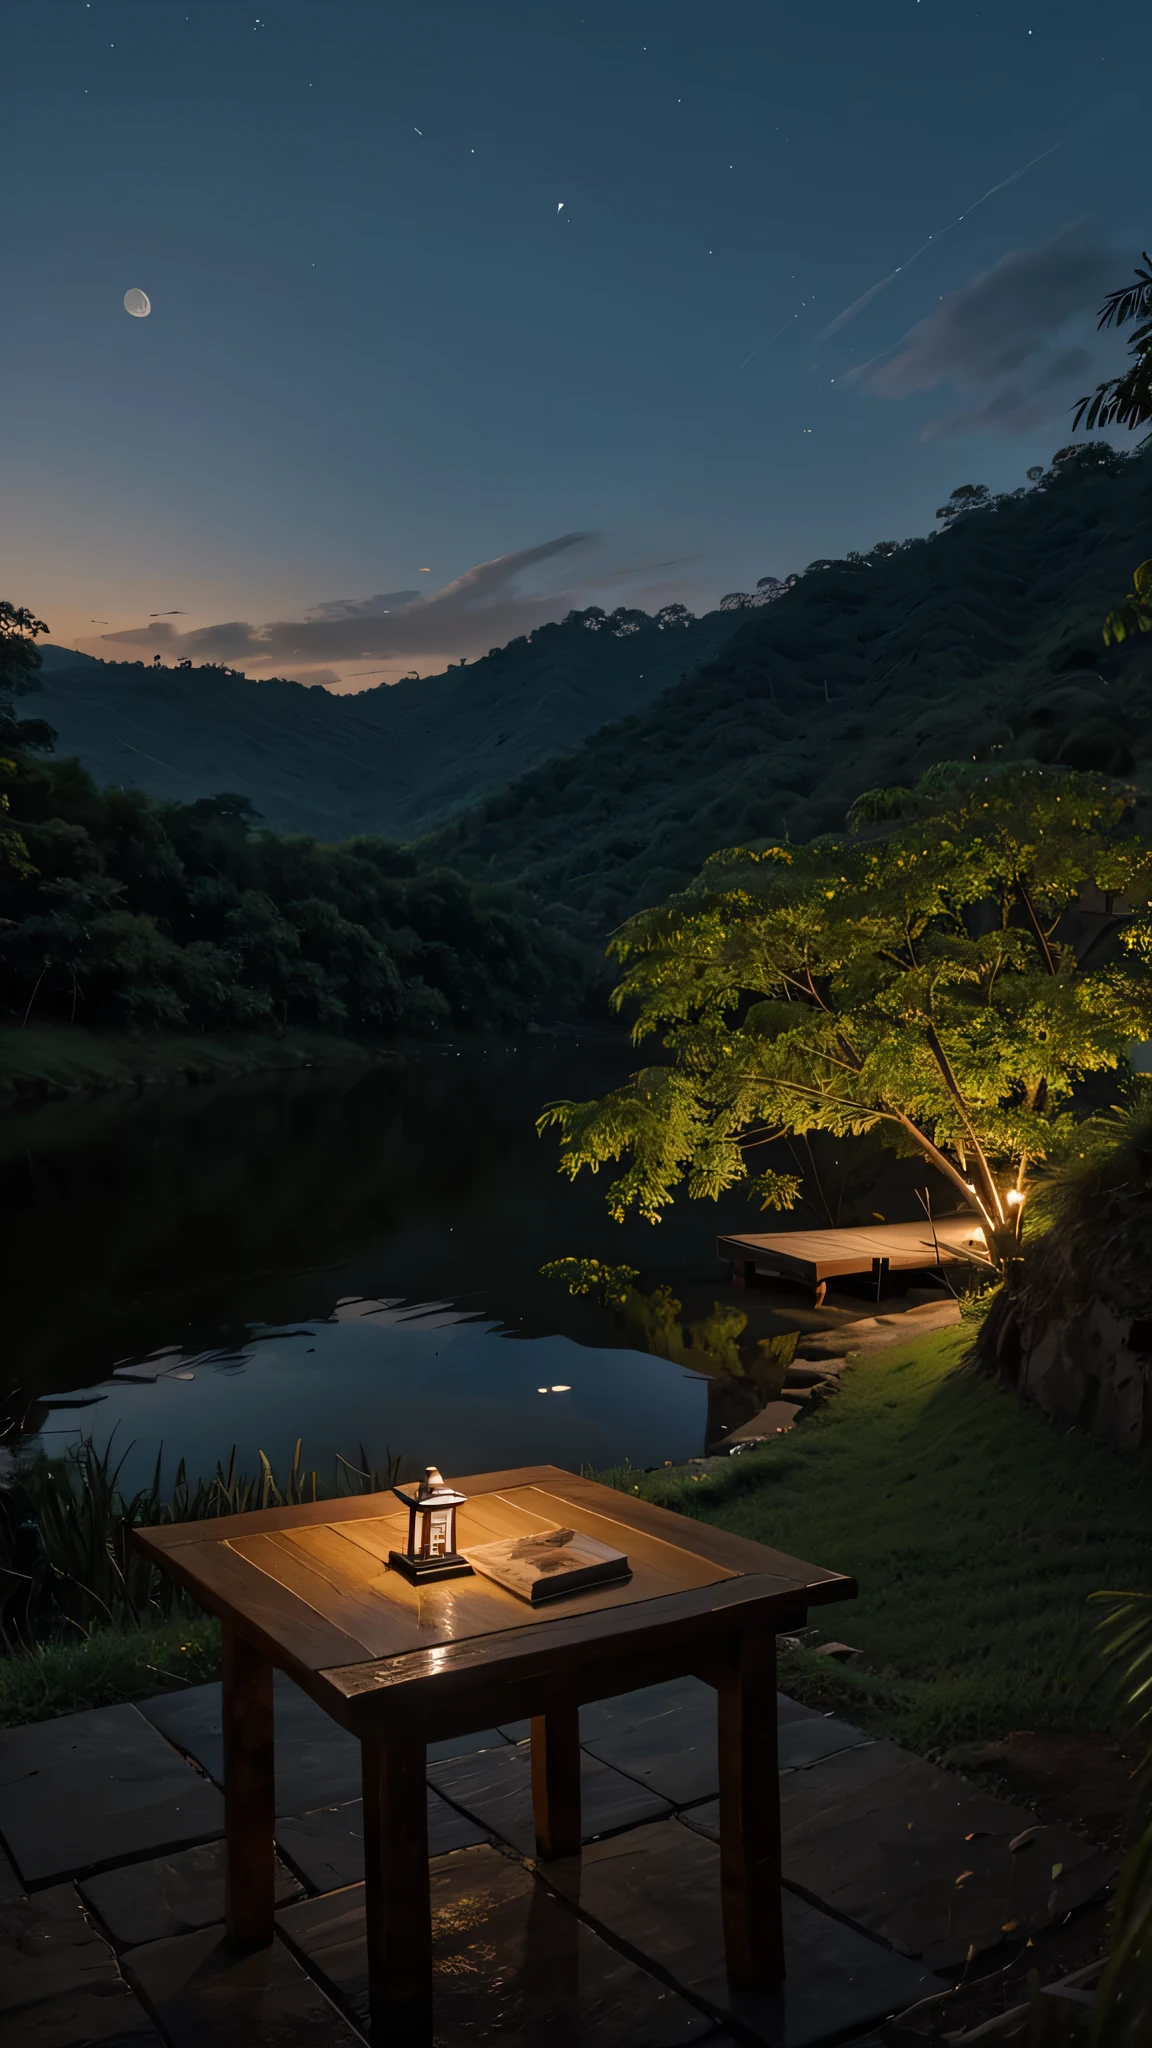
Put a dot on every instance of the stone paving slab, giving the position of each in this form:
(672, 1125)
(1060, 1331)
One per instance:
(59, 1984)
(317, 1761)
(495, 1789)
(657, 1889)
(169, 1895)
(602, 1719)
(84, 2019)
(920, 1857)
(466, 1745)
(674, 1752)
(657, 1703)
(327, 1847)
(204, 1994)
(512, 1963)
(94, 1789)
(809, 1741)
(10, 1885)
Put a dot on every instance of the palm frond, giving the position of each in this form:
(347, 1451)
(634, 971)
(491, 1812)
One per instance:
(1121, 401)
(1131, 301)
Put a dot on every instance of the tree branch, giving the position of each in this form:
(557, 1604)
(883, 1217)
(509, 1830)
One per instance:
(931, 1151)
(1037, 928)
(983, 1170)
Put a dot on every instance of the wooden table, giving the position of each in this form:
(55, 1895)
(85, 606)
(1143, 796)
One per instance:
(308, 1591)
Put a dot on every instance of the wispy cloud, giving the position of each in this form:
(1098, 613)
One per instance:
(483, 607)
(1001, 337)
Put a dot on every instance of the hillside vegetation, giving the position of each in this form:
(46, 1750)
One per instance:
(119, 912)
(983, 641)
(396, 759)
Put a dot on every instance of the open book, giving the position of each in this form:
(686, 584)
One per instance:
(548, 1563)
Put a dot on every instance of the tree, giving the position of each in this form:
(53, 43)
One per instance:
(19, 661)
(13, 846)
(1125, 401)
(227, 806)
(19, 654)
(625, 620)
(1135, 614)
(965, 498)
(919, 983)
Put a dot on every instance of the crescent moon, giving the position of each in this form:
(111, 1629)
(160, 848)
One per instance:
(137, 303)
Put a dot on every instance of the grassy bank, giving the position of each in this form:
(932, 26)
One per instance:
(106, 1667)
(59, 1059)
(976, 1534)
(85, 1619)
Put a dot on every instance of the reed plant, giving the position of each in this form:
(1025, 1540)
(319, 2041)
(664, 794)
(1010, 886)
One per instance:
(67, 1560)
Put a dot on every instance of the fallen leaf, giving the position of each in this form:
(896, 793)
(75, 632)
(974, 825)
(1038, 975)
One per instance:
(1056, 1869)
(1009, 1927)
(1024, 1839)
(977, 1835)
(964, 1874)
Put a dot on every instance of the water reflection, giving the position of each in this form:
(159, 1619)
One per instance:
(433, 1387)
(270, 1238)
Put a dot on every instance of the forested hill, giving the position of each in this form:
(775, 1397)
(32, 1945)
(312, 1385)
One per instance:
(984, 639)
(395, 759)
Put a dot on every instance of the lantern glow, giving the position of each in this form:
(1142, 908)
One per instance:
(430, 1552)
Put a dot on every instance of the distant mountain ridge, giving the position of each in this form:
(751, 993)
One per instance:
(398, 759)
(983, 640)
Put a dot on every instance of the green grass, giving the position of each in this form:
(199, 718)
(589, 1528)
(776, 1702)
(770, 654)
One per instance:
(55, 1059)
(108, 1666)
(976, 1533)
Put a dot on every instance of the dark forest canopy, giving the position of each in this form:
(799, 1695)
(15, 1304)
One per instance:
(398, 759)
(117, 911)
(982, 640)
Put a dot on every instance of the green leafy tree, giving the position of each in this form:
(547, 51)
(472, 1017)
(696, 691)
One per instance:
(1125, 401)
(917, 983)
(965, 498)
(117, 910)
(19, 654)
(1135, 614)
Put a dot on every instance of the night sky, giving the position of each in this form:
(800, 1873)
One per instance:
(439, 285)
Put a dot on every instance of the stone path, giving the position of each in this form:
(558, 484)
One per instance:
(112, 1887)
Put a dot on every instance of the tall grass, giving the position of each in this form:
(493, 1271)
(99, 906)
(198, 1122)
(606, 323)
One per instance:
(67, 1561)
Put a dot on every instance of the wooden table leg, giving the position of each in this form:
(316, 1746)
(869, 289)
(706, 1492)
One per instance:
(750, 1812)
(249, 1793)
(556, 1781)
(397, 1900)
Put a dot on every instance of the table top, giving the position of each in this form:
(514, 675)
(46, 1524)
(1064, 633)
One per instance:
(311, 1585)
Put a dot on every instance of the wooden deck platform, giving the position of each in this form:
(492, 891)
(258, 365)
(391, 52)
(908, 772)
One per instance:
(817, 1256)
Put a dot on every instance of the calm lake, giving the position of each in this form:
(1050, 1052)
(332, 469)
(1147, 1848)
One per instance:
(349, 1259)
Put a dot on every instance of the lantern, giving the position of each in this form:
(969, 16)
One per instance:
(431, 1551)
